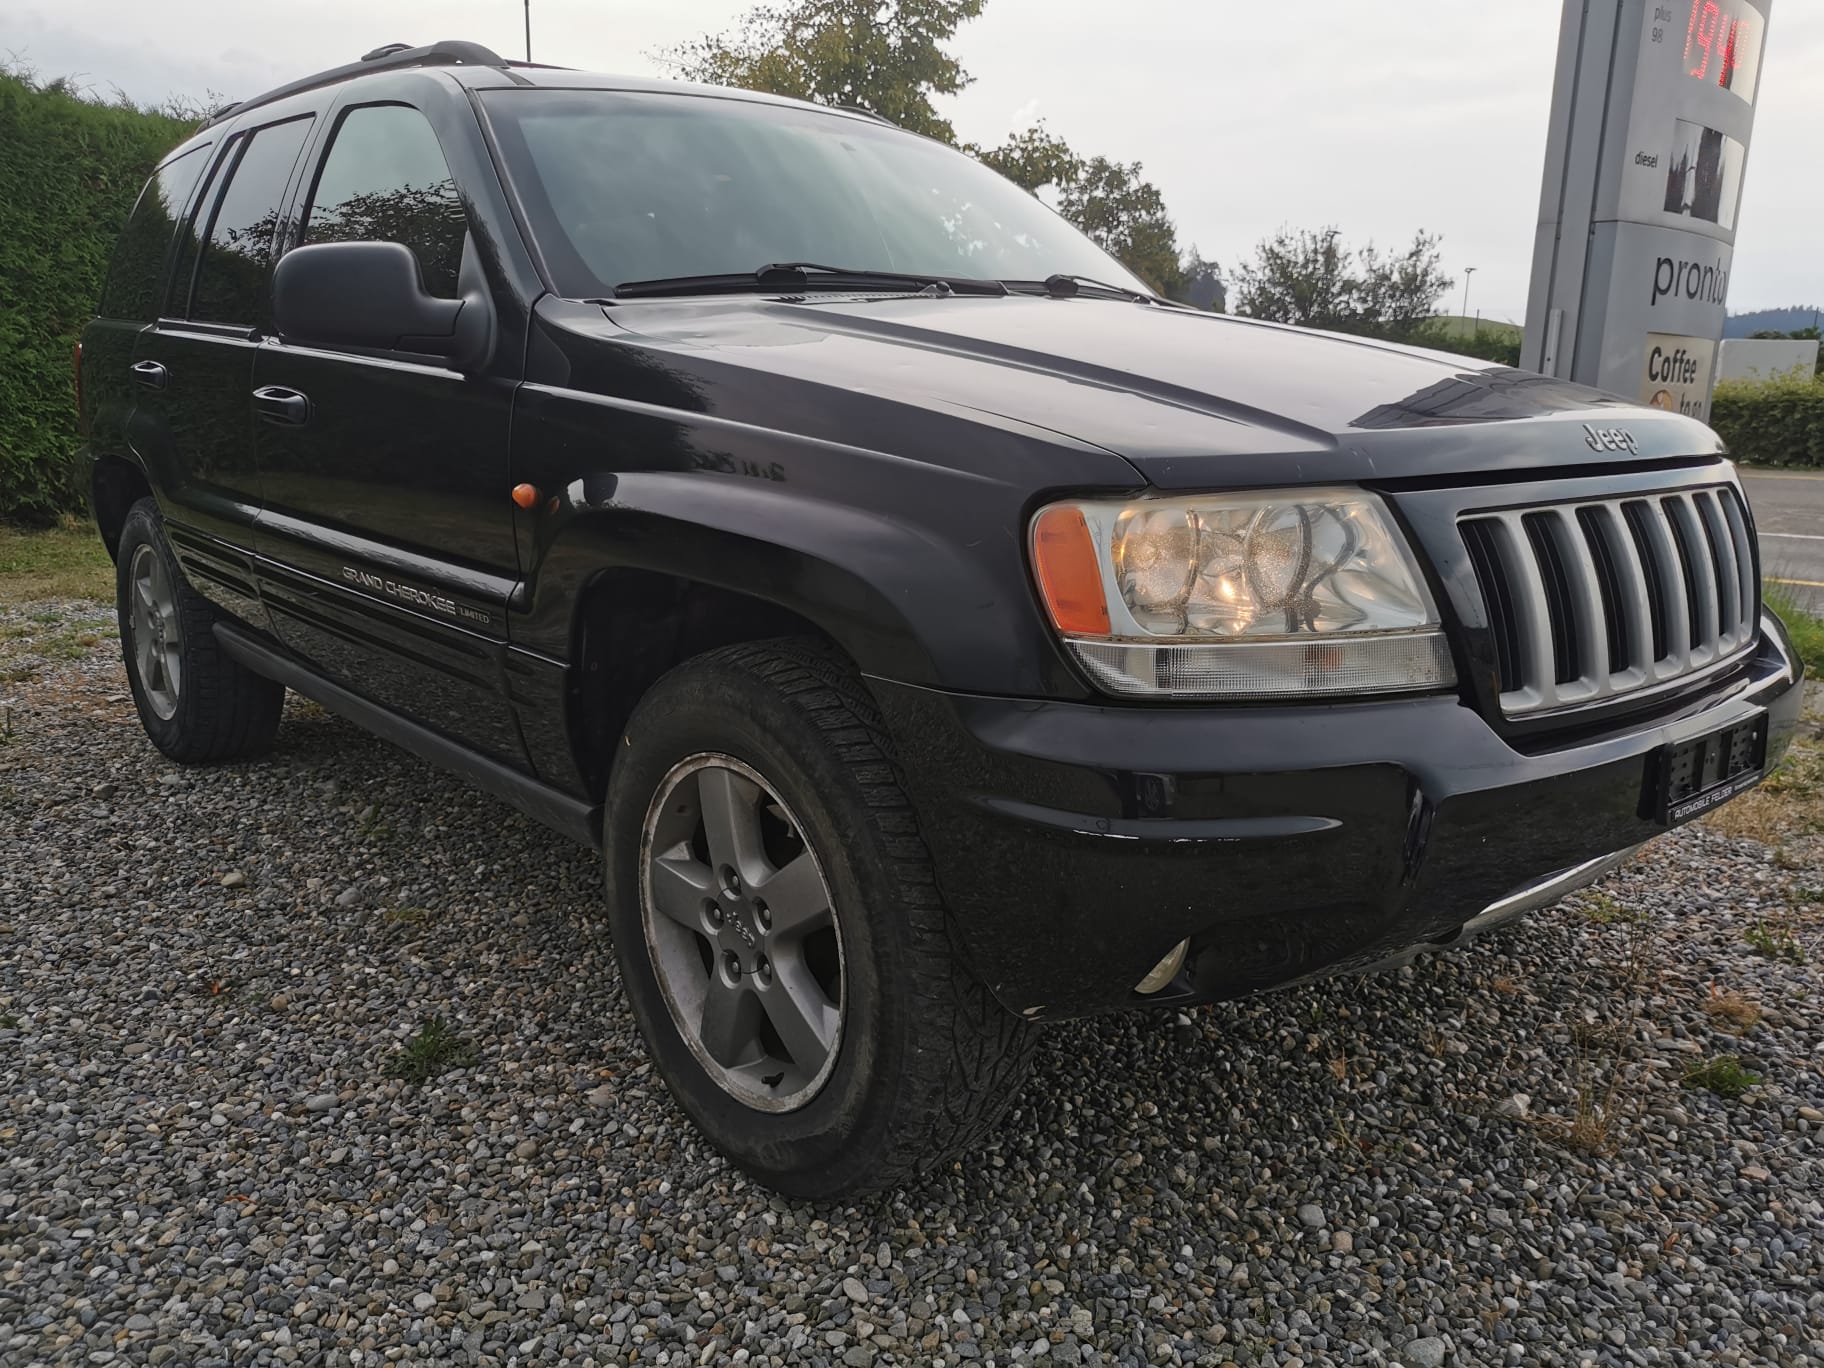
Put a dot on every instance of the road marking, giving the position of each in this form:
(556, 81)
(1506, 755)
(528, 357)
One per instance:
(1802, 584)
(1793, 536)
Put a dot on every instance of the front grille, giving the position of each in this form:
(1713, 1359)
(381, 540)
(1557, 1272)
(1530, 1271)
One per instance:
(1589, 602)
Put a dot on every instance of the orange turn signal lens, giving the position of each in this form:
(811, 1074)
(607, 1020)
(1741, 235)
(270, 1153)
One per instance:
(1070, 577)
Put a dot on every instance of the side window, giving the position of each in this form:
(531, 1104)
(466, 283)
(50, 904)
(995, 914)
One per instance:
(385, 180)
(231, 281)
(139, 256)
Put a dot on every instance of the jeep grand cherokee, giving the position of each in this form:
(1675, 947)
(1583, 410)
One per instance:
(938, 632)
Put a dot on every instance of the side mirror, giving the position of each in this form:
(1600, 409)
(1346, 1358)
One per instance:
(370, 294)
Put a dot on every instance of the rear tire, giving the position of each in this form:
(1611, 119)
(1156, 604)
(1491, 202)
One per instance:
(197, 705)
(921, 1060)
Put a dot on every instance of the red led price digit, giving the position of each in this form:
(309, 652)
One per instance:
(1705, 19)
(1731, 57)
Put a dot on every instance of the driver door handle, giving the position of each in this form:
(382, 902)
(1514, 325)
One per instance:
(280, 406)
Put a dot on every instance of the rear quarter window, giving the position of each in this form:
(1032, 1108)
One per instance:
(138, 268)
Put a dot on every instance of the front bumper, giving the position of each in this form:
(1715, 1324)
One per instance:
(1076, 844)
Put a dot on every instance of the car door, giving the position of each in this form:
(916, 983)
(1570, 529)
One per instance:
(386, 539)
(192, 422)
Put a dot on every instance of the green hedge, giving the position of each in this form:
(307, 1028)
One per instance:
(70, 169)
(1772, 422)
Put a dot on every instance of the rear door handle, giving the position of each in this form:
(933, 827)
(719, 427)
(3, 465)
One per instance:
(150, 374)
(284, 407)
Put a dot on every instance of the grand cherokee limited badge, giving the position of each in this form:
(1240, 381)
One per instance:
(417, 598)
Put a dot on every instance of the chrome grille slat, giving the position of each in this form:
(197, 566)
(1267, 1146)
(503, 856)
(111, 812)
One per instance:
(1748, 591)
(1669, 562)
(1589, 620)
(1676, 607)
(1636, 605)
(1515, 549)
(1695, 552)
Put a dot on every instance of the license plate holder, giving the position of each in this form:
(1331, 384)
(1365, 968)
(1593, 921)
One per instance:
(1686, 779)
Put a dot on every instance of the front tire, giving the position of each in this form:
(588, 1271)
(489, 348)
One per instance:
(197, 705)
(780, 934)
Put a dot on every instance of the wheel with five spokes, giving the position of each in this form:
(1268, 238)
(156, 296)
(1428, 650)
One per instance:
(739, 926)
(196, 704)
(780, 935)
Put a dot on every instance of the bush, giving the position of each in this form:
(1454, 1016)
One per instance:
(1500, 345)
(70, 169)
(1772, 422)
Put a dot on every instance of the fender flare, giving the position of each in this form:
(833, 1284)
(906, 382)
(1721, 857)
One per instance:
(903, 603)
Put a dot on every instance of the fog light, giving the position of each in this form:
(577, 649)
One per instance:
(1164, 971)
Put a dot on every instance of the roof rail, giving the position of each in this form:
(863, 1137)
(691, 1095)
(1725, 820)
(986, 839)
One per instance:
(392, 57)
(866, 113)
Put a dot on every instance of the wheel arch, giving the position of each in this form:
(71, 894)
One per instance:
(625, 594)
(635, 624)
(115, 485)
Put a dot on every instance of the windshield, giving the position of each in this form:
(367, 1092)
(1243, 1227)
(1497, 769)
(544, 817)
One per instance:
(625, 186)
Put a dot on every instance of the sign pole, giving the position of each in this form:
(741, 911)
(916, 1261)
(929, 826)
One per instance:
(1652, 116)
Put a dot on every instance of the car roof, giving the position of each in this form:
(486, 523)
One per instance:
(477, 67)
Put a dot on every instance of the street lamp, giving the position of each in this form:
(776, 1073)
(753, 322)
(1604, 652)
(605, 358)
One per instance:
(528, 30)
(1468, 271)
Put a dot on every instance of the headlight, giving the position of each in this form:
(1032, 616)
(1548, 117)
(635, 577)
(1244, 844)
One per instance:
(1292, 594)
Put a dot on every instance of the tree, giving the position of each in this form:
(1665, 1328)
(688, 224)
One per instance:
(887, 58)
(1298, 277)
(1202, 285)
(1125, 215)
(1400, 290)
(1310, 278)
(1033, 159)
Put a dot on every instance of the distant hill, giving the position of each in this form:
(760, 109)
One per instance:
(1771, 320)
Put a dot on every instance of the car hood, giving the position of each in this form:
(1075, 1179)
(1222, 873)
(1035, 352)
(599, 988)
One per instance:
(1187, 398)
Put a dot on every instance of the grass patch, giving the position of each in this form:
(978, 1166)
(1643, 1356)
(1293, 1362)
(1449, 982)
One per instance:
(1602, 1098)
(1775, 942)
(1787, 804)
(63, 562)
(1730, 1006)
(1722, 1075)
(435, 1049)
(1806, 631)
(49, 635)
(1604, 910)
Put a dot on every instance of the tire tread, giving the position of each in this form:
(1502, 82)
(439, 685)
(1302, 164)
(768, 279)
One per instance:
(984, 1052)
(225, 711)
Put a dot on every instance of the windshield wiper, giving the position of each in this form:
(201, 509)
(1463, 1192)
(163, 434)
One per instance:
(801, 275)
(1063, 286)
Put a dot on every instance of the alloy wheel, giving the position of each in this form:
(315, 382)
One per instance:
(157, 632)
(742, 933)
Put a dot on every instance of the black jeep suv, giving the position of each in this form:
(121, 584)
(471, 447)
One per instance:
(938, 632)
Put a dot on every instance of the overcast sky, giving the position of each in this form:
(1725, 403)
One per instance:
(1382, 118)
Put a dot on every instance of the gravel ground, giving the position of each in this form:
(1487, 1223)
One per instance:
(207, 979)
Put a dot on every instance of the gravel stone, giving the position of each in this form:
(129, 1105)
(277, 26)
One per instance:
(196, 1175)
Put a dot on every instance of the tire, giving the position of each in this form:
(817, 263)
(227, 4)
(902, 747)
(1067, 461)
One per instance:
(198, 706)
(922, 1060)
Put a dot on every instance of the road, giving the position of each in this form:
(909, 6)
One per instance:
(1789, 511)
